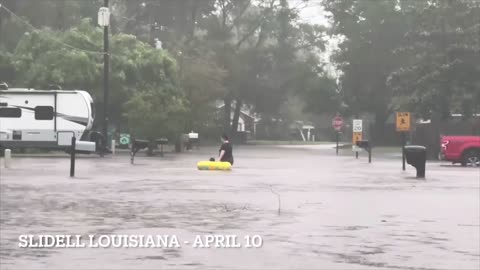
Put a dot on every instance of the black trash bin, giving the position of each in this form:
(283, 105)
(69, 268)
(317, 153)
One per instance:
(416, 156)
(364, 144)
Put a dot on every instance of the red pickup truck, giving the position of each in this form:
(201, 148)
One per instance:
(461, 149)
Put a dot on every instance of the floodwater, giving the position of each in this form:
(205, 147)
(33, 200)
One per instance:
(312, 209)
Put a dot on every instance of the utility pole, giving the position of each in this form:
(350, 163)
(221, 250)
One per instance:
(1, 20)
(106, 72)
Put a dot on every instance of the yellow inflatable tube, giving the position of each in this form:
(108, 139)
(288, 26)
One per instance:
(214, 165)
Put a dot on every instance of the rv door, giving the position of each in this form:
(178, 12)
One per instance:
(39, 120)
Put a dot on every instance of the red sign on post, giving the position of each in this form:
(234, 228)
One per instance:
(337, 123)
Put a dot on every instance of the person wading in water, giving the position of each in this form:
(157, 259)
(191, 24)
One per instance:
(225, 152)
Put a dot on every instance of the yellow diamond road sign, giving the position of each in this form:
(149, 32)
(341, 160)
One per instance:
(403, 121)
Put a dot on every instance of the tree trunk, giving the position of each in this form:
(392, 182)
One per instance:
(1, 27)
(193, 18)
(1, 24)
(227, 114)
(379, 127)
(151, 147)
(60, 23)
(236, 116)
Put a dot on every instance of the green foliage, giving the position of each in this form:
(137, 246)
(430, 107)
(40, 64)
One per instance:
(160, 96)
(371, 32)
(421, 56)
(202, 82)
(266, 53)
(143, 78)
(441, 75)
(7, 70)
(155, 113)
(244, 52)
(42, 59)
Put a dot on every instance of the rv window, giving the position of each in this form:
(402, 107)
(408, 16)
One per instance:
(43, 113)
(10, 112)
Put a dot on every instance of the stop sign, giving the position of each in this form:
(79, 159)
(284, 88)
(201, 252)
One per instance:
(337, 123)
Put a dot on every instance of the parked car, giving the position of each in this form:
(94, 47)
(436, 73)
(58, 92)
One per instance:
(461, 149)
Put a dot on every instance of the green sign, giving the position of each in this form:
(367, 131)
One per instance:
(124, 138)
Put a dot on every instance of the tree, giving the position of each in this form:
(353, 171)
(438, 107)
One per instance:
(53, 14)
(371, 32)
(7, 70)
(202, 82)
(155, 113)
(443, 51)
(176, 24)
(140, 74)
(230, 30)
(260, 44)
(43, 58)
(243, 51)
(168, 20)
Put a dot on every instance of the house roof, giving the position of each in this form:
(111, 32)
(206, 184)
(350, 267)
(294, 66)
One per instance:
(243, 112)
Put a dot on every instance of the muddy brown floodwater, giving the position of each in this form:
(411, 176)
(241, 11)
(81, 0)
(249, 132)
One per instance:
(335, 212)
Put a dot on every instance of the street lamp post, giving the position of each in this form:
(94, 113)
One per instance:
(104, 21)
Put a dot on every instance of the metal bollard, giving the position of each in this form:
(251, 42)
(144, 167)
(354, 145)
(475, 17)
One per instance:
(132, 151)
(113, 147)
(72, 157)
(8, 157)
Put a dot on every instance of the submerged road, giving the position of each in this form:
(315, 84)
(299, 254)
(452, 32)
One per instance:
(313, 210)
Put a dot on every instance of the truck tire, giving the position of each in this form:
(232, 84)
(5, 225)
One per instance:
(471, 158)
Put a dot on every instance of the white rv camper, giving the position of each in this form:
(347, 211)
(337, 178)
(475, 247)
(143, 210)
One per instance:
(45, 118)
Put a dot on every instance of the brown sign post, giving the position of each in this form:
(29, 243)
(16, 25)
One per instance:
(403, 124)
(357, 126)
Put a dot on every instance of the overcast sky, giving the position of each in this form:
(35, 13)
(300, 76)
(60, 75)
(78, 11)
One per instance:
(311, 11)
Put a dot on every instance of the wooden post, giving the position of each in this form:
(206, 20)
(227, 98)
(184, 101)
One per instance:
(113, 147)
(72, 157)
(404, 142)
(337, 138)
(8, 158)
(132, 151)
